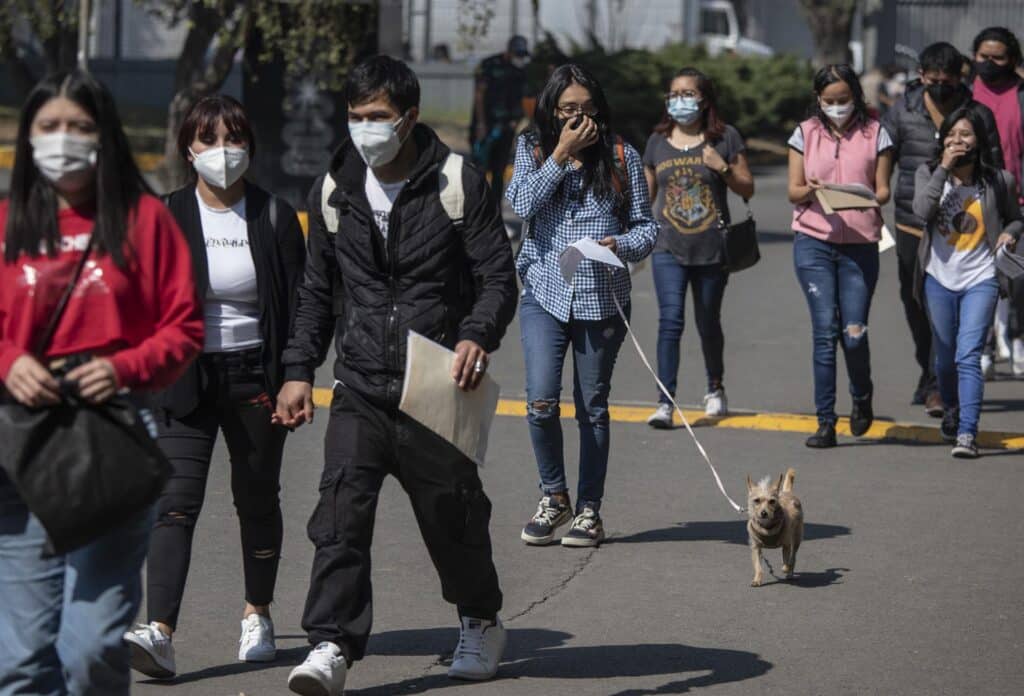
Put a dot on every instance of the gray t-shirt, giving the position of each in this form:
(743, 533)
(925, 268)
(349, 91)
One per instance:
(689, 197)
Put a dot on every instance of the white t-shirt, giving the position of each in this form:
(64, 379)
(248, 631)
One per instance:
(960, 255)
(231, 309)
(796, 141)
(382, 197)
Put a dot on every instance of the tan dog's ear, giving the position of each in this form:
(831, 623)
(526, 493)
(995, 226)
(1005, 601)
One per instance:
(778, 485)
(750, 485)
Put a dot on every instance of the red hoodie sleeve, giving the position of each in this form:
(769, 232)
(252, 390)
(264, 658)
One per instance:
(169, 299)
(9, 350)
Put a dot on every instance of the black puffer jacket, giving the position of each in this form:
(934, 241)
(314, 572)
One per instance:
(447, 283)
(915, 141)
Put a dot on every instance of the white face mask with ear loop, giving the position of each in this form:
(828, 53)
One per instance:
(59, 157)
(839, 114)
(221, 166)
(377, 142)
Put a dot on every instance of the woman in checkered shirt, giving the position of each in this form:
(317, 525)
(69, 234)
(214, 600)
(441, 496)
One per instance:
(574, 179)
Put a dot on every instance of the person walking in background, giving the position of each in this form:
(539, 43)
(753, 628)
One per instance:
(691, 161)
(913, 125)
(498, 108)
(836, 254)
(248, 253)
(970, 210)
(997, 55)
(386, 257)
(132, 323)
(574, 179)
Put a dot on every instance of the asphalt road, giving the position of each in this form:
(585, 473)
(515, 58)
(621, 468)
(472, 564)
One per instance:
(908, 581)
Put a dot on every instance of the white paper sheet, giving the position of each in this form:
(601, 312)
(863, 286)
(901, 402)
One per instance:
(433, 398)
(855, 189)
(586, 248)
(887, 242)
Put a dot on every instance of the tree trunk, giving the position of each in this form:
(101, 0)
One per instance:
(830, 22)
(195, 79)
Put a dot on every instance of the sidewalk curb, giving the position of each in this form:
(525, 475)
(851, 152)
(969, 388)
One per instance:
(881, 430)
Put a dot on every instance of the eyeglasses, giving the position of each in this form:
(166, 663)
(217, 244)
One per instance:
(686, 94)
(572, 110)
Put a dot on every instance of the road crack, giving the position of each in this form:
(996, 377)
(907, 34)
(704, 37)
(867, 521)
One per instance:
(552, 592)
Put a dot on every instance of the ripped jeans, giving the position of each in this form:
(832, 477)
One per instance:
(233, 400)
(595, 346)
(838, 281)
(364, 443)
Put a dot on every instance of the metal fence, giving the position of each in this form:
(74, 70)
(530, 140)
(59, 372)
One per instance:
(922, 22)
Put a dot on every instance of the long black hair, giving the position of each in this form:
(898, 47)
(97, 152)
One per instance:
(831, 74)
(599, 159)
(32, 211)
(985, 168)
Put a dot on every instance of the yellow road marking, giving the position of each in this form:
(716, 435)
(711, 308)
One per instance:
(147, 161)
(767, 422)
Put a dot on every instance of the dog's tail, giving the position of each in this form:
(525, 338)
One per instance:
(787, 481)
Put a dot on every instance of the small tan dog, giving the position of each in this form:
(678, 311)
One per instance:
(776, 519)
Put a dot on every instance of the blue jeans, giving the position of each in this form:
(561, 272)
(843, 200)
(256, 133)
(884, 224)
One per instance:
(960, 323)
(595, 345)
(838, 281)
(708, 283)
(62, 619)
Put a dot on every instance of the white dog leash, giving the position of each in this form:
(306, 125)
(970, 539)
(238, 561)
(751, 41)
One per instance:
(647, 364)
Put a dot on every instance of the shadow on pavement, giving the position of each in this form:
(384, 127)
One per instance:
(285, 657)
(1002, 405)
(541, 654)
(732, 532)
(832, 576)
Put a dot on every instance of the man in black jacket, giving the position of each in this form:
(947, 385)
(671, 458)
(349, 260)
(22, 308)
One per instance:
(389, 258)
(913, 124)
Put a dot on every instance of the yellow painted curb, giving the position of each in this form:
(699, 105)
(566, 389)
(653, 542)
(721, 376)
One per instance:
(766, 422)
(147, 161)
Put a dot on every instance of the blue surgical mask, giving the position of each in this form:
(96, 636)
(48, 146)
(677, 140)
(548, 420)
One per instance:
(684, 110)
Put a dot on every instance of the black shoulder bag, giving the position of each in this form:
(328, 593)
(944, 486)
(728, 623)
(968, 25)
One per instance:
(739, 242)
(83, 469)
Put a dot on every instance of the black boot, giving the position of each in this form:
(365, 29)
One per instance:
(824, 438)
(861, 416)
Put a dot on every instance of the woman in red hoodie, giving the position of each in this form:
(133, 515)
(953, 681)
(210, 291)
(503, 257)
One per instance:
(132, 323)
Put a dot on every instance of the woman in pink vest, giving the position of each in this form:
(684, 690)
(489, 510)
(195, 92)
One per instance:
(836, 254)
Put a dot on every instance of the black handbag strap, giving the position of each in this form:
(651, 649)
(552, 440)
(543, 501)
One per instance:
(721, 219)
(58, 312)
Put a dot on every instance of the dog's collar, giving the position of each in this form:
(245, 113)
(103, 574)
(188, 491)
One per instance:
(777, 523)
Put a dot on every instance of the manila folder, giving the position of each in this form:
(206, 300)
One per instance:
(832, 200)
(433, 398)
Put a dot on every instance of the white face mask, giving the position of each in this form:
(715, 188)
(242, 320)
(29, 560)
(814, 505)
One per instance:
(65, 159)
(839, 114)
(376, 141)
(221, 166)
(520, 61)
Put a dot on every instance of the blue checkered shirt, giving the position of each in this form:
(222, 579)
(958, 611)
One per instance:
(556, 220)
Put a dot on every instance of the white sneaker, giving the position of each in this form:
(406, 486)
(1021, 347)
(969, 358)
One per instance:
(322, 674)
(151, 651)
(715, 403)
(257, 641)
(1018, 357)
(988, 367)
(662, 417)
(481, 645)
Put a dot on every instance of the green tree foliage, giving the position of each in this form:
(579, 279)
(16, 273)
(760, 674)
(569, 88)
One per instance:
(759, 96)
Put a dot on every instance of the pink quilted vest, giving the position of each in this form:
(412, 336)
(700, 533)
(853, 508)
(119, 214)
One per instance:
(851, 160)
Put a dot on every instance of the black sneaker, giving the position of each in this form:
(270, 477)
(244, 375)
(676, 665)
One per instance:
(965, 447)
(551, 514)
(950, 425)
(861, 416)
(824, 438)
(586, 530)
